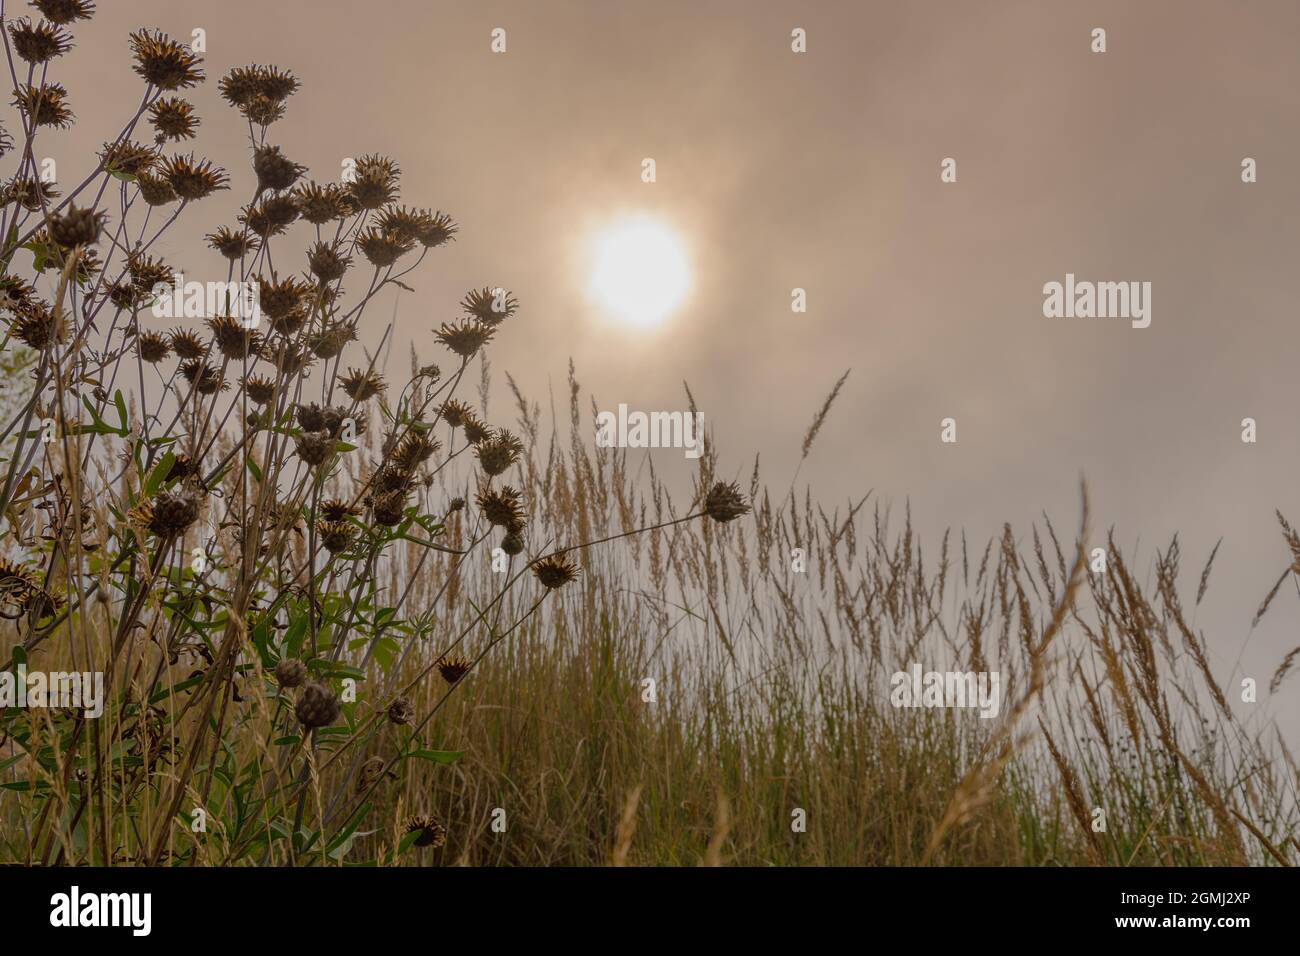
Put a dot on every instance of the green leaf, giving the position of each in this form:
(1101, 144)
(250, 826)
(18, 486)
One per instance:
(159, 473)
(438, 756)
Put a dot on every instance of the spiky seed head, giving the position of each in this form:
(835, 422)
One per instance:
(39, 43)
(498, 452)
(465, 337)
(173, 118)
(317, 706)
(321, 204)
(127, 158)
(374, 182)
(64, 12)
(724, 502)
(38, 327)
(187, 345)
(500, 506)
(259, 389)
(455, 413)
(272, 216)
(15, 293)
(77, 227)
(476, 433)
(401, 711)
(389, 508)
(413, 449)
(435, 229)
(456, 504)
(335, 536)
(281, 298)
(206, 379)
(194, 179)
(275, 170)
(290, 672)
(231, 244)
(490, 306)
(155, 190)
(163, 62)
(555, 571)
(232, 339)
(243, 84)
(152, 347)
(171, 512)
(513, 542)
(453, 668)
(45, 105)
(431, 832)
(326, 262)
(362, 385)
(315, 448)
(32, 194)
(336, 509)
(381, 248)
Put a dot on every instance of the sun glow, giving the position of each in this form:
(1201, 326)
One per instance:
(639, 271)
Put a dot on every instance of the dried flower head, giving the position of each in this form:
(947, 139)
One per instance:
(15, 293)
(435, 229)
(232, 245)
(555, 571)
(401, 711)
(259, 389)
(361, 385)
(193, 180)
(331, 339)
(454, 668)
(147, 273)
(513, 542)
(327, 262)
(724, 502)
(39, 43)
(335, 536)
(455, 413)
(173, 118)
(37, 327)
(204, 378)
(317, 706)
(275, 170)
(170, 512)
(281, 298)
(315, 448)
(335, 509)
(500, 506)
(127, 158)
(64, 12)
(498, 452)
(77, 227)
(374, 182)
(431, 832)
(155, 190)
(187, 345)
(45, 105)
(389, 508)
(381, 248)
(163, 62)
(466, 337)
(152, 347)
(243, 84)
(233, 339)
(31, 194)
(321, 204)
(414, 449)
(290, 672)
(272, 216)
(489, 306)
(476, 433)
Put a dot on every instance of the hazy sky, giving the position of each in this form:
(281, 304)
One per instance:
(821, 171)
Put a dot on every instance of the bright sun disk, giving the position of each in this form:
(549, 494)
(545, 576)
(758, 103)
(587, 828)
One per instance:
(640, 272)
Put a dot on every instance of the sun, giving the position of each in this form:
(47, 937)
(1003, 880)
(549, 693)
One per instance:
(639, 271)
